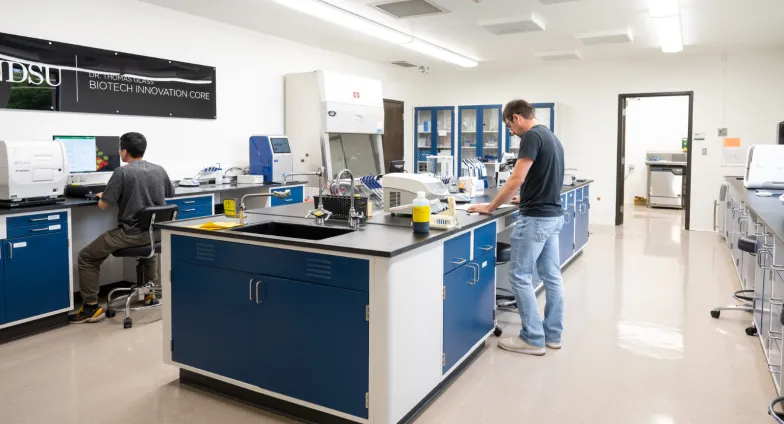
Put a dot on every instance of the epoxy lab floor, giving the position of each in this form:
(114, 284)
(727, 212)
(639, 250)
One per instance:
(639, 347)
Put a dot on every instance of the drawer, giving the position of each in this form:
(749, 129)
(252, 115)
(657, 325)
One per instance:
(194, 211)
(38, 219)
(457, 252)
(297, 195)
(484, 240)
(570, 198)
(328, 270)
(35, 230)
(190, 202)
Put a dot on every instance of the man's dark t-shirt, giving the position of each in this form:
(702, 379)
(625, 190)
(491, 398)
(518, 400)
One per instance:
(540, 194)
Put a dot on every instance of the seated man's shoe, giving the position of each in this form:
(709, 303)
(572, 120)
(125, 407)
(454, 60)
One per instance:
(87, 313)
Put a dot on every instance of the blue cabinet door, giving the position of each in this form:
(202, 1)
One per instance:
(2, 294)
(459, 325)
(212, 319)
(433, 134)
(313, 343)
(484, 321)
(479, 133)
(566, 237)
(581, 227)
(36, 275)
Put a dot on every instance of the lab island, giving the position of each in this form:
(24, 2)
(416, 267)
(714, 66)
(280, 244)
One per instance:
(333, 325)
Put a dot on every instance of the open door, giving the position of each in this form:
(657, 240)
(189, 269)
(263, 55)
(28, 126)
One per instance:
(621, 161)
(392, 140)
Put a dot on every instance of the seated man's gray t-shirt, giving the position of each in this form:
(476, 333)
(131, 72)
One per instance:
(135, 186)
(540, 194)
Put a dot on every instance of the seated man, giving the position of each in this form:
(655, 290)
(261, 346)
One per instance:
(133, 187)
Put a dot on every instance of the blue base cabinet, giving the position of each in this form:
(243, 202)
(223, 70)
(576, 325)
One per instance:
(301, 339)
(469, 293)
(566, 237)
(581, 221)
(36, 273)
(2, 294)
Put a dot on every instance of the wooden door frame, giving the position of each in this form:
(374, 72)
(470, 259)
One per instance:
(403, 133)
(621, 151)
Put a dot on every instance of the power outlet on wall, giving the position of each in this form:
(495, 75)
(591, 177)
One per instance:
(705, 151)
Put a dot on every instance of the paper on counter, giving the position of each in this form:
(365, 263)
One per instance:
(465, 206)
(215, 225)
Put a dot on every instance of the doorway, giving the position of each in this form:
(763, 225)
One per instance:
(660, 129)
(392, 140)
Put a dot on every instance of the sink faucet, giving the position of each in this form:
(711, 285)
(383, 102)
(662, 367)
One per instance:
(354, 218)
(278, 194)
(320, 214)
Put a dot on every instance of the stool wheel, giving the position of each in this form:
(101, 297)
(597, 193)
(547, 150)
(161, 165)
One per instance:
(498, 332)
(110, 313)
(127, 323)
(715, 313)
(751, 331)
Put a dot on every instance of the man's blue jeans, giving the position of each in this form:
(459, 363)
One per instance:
(535, 243)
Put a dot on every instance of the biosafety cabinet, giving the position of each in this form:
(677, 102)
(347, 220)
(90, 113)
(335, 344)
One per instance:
(335, 120)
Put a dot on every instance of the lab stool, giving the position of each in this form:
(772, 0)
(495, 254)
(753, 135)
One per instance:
(505, 299)
(750, 245)
(146, 218)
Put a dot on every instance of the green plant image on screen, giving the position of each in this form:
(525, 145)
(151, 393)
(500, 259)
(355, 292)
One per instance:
(25, 95)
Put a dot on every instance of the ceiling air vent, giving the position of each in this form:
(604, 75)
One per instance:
(559, 55)
(605, 37)
(506, 26)
(408, 8)
(403, 64)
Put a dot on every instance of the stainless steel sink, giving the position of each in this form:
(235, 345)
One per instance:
(284, 229)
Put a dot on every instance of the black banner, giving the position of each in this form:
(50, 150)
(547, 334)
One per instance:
(44, 75)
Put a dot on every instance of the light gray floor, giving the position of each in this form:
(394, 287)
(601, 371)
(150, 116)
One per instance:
(639, 347)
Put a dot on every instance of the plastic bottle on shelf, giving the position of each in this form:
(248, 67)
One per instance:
(420, 215)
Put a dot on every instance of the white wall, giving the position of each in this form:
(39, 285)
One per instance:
(250, 69)
(741, 92)
(653, 124)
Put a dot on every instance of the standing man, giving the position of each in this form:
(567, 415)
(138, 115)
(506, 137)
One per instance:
(539, 173)
(131, 188)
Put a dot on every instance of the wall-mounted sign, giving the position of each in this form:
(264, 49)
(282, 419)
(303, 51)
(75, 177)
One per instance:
(45, 75)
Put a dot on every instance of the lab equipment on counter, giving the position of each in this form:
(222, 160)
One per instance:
(471, 186)
(570, 176)
(420, 213)
(397, 166)
(447, 219)
(665, 186)
(764, 166)
(339, 206)
(336, 121)
(441, 166)
(207, 175)
(374, 189)
(250, 179)
(354, 217)
(271, 157)
(188, 182)
(91, 162)
(400, 190)
(31, 172)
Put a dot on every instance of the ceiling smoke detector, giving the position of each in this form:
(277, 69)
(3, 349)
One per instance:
(606, 37)
(507, 26)
(559, 55)
(402, 9)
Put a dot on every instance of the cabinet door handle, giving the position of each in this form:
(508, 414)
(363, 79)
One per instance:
(250, 289)
(257, 292)
(40, 219)
(568, 216)
(459, 261)
(486, 248)
(476, 273)
(188, 202)
(38, 230)
(189, 210)
(10, 251)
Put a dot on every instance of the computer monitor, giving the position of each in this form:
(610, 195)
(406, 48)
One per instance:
(91, 153)
(397, 166)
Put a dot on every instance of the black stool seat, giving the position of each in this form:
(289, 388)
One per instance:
(748, 244)
(503, 252)
(137, 251)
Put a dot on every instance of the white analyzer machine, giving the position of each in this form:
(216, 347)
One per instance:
(31, 172)
(764, 167)
(400, 190)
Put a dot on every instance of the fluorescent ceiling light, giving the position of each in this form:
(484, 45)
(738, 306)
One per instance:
(667, 20)
(669, 31)
(439, 53)
(663, 8)
(347, 19)
(352, 21)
